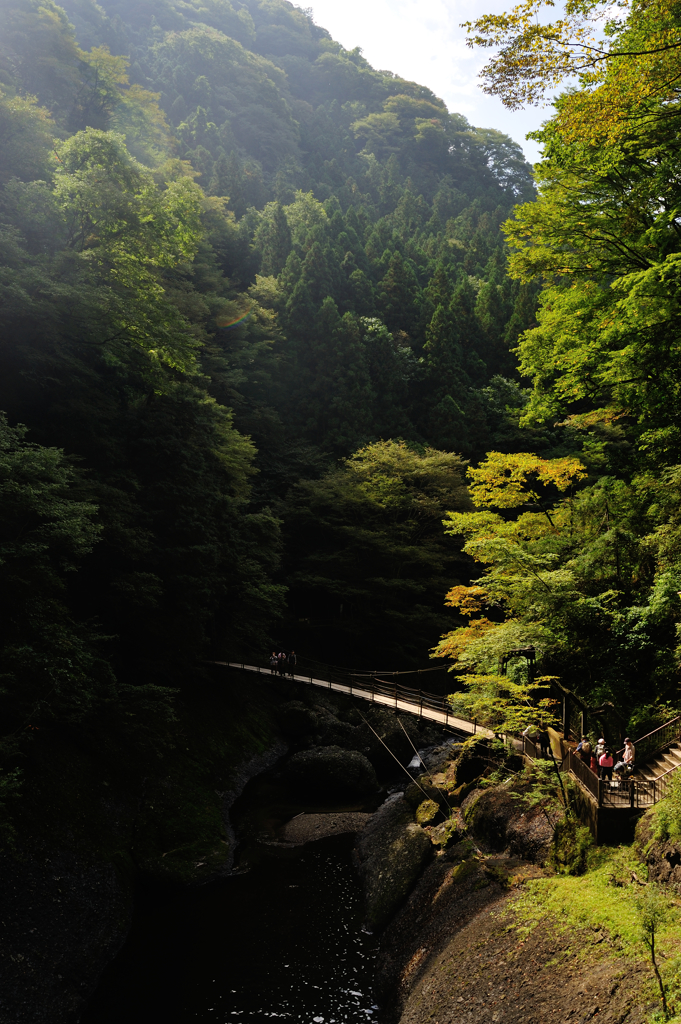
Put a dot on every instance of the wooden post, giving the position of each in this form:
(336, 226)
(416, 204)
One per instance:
(632, 792)
(600, 792)
(475, 726)
(566, 722)
(582, 725)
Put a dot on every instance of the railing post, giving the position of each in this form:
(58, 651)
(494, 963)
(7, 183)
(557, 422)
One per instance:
(600, 792)
(632, 793)
(475, 726)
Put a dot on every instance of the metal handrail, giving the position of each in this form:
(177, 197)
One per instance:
(375, 688)
(582, 772)
(638, 793)
(665, 727)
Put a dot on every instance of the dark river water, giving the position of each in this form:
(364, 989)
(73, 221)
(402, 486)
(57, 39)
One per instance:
(282, 940)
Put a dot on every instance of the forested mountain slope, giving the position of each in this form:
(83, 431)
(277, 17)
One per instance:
(233, 253)
(256, 315)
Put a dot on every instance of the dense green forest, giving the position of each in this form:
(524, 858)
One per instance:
(258, 313)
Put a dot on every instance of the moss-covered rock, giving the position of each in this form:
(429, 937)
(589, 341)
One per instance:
(457, 797)
(501, 821)
(423, 789)
(662, 856)
(447, 833)
(427, 812)
(463, 871)
(331, 771)
(392, 851)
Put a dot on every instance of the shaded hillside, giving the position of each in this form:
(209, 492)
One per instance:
(235, 253)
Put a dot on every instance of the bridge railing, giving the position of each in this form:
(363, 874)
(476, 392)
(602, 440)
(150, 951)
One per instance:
(581, 771)
(531, 749)
(657, 740)
(650, 791)
(379, 690)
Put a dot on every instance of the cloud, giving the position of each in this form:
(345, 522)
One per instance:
(429, 48)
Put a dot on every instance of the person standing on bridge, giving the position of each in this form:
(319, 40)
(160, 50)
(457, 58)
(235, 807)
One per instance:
(628, 758)
(606, 762)
(273, 662)
(282, 663)
(544, 740)
(292, 661)
(583, 750)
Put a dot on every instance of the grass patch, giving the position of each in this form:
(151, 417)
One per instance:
(607, 900)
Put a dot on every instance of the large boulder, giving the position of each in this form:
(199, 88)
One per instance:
(297, 720)
(391, 853)
(500, 821)
(331, 772)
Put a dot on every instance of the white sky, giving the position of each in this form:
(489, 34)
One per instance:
(421, 41)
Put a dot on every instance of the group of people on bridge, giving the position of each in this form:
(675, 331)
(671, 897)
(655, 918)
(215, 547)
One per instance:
(283, 663)
(601, 761)
(599, 758)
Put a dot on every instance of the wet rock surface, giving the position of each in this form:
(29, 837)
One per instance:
(391, 853)
(306, 828)
(499, 821)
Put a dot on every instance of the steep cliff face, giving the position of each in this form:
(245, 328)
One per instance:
(500, 845)
(391, 852)
(492, 932)
(96, 817)
(482, 971)
(64, 918)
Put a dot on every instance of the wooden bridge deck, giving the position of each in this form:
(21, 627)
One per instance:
(399, 701)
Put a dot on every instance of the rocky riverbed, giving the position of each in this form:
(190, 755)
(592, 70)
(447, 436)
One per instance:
(438, 861)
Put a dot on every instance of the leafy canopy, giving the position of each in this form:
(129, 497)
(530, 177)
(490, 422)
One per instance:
(626, 59)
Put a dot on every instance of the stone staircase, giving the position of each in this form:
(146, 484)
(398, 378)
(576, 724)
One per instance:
(663, 762)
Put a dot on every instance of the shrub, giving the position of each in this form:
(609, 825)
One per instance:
(572, 844)
(668, 812)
